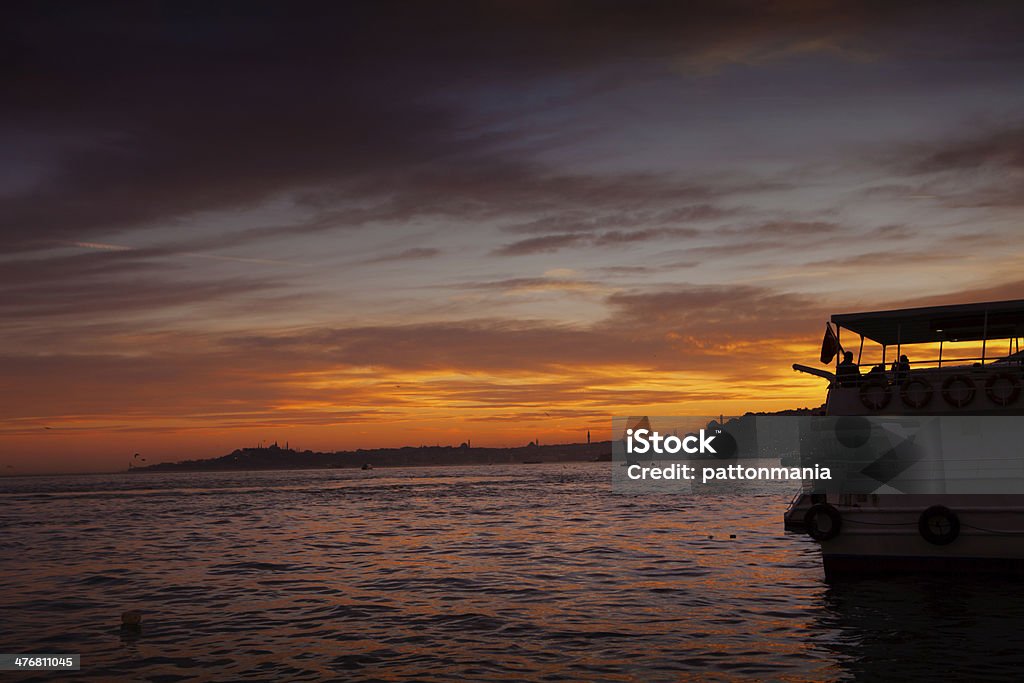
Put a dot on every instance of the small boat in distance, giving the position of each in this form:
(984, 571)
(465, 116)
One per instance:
(881, 533)
(367, 466)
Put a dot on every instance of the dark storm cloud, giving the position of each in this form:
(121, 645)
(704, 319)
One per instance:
(152, 111)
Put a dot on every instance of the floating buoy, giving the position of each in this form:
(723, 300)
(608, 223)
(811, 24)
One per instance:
(131, 620)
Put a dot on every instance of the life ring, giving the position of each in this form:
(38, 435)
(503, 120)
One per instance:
(821, 530)
(875, 403)
(939, 525)
(1002, 400)
(908, 400)
(947, 390)
(853, 431)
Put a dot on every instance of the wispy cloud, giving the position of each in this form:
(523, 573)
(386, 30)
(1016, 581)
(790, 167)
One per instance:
(609, 238)
(165, 251)
(414, 254)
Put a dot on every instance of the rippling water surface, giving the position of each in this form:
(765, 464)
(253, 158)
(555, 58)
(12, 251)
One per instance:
(479, 573)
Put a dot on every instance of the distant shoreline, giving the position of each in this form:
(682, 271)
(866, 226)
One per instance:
(276, 458)
(269, 458)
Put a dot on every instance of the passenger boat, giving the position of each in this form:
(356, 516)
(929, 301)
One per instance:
(881, 533)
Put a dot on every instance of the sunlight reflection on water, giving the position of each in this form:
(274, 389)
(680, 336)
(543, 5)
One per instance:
(476, 573)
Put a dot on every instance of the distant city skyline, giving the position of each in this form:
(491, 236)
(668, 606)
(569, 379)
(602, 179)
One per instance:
(374, 224)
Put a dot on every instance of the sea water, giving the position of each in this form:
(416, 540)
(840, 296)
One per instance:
(525, 572)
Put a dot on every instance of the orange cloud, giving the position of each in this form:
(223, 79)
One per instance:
(684, 351)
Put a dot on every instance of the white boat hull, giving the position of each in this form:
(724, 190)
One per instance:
(881, 534)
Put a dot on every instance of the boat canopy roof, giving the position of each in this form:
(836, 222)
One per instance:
(961, 322)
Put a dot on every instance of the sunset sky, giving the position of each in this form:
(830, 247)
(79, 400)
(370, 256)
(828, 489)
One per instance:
(385, 224)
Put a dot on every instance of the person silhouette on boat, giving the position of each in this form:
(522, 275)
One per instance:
(901, 369)
(847, 372)
(876, 372)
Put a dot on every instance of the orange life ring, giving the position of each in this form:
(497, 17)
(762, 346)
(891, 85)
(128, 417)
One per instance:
(947, 390)
(908, 400)
(870, 402)
(1014, 388)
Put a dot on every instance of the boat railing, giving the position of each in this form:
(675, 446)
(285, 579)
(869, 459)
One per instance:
(975, 363)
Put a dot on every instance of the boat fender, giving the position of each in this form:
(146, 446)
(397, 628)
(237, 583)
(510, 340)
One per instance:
(925, 397)
(822, 522)
(871, 400)
(1002, 400)
(939, 525)
(947, 390)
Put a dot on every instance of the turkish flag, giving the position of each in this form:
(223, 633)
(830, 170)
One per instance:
(829, 345)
